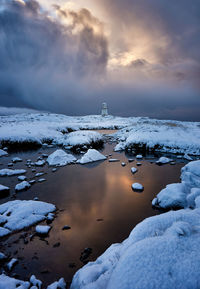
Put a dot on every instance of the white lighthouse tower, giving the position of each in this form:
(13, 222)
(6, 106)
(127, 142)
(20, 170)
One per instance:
(104, 109)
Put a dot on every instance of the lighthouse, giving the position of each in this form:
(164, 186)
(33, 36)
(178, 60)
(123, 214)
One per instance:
(104, 109)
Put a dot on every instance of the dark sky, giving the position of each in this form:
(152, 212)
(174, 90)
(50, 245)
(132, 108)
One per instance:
(141, 57)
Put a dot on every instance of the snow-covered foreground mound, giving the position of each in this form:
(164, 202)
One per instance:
(159, 135)
(181, 195)
(17, 215)
(91, 156)
(161, 252)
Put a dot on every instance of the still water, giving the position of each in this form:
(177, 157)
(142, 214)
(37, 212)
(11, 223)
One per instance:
(95, 200)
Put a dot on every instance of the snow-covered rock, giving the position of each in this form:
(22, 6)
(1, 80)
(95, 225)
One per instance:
(2, 256)
(16, 160)
(22, 178)
(3, 153)
(163, 160)
(35, 282)
(42, 229)
(137, 187)
(60, 158)
(40, 163)
(133, 170)
(10, 172)
(180, 194)
(7, 282)
(12, 263)
(4, 189)
(91, 155)
(60, 284)
(139, 157)
(17, 215)
(190, 174)
(173, 196)
(22, 186)
(187, 157)
(113, 160)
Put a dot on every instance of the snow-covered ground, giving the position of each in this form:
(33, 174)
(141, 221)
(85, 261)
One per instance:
(161, 252)
(160, 135)
(152, 134)
(17, 215)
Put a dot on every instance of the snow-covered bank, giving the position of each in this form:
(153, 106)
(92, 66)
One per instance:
(161, 252)
(37, 128)
(17, 215)
(181, 195)
(31, 130)
(160, 135)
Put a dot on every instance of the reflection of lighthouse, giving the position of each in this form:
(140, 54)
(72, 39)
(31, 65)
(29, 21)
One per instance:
(104, 109)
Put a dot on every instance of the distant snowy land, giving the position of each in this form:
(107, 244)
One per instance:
(134, 133)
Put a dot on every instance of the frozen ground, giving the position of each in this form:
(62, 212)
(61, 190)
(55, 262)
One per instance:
(134, 132)
(161, 252)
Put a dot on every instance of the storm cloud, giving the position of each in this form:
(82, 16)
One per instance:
(142, 57)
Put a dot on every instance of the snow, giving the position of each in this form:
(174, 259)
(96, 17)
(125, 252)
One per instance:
(10, 172)
(137, 187)
(40, 163)
(187, 157)
(42, 229)
(60, 284)
(60, 158)
(133, 170)
(181, 194)
(16, 159)
(3, 153)
(4, 189)
(91, 155)
(35, 282)
(2, 256)
(7, 282)
(161, 252)
(160, 135)
(17, 215)
(81, 138)
(163, 160)
(12, 263)
(22, 178)
(22, 186)
(139, 157)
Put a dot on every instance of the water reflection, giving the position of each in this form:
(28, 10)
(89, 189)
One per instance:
(85, 194)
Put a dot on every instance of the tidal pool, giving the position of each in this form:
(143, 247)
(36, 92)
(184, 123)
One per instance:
(96, 200)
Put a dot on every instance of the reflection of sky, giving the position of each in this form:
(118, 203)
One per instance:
(85, 194)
